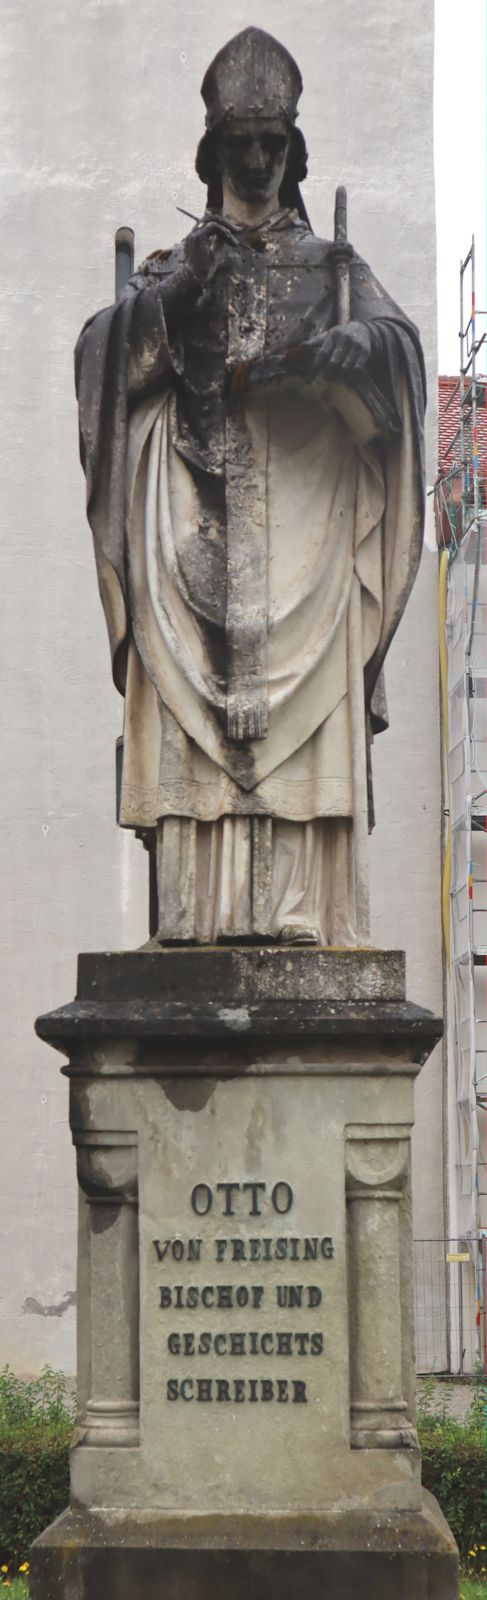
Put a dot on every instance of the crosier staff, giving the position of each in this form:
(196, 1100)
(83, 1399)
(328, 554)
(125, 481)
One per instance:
(360, 805)
(124, 258)
(342, 253)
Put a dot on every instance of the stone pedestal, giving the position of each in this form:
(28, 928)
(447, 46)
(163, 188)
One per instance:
(246, 1422)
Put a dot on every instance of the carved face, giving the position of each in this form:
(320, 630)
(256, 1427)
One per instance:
(252, 156)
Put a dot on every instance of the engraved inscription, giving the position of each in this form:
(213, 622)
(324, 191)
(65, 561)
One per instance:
(214, 1303)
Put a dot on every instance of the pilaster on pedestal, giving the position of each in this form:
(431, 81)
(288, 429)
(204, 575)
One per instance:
(108, 1272)
(378, 1167)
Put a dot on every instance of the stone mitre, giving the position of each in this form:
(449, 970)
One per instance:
(252, 76)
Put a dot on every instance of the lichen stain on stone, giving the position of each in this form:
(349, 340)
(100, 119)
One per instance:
(188, 1094)
(255, 1132)
(237, 1018)
(81, 1111)
(103, 1217)
(33, 1308)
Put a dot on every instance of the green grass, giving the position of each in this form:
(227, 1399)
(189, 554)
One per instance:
(18, 1589)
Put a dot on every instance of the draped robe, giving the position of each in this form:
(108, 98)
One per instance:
(231, 525)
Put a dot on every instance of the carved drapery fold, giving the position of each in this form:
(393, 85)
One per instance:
(246, 514)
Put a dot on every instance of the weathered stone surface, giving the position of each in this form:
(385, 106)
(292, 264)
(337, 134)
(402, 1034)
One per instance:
(262, 973)
(222, 1146)
(249, 1313)
(90, 1556)
(246, 1365)
(253, 685)
(193, 1004)
(264, 1026)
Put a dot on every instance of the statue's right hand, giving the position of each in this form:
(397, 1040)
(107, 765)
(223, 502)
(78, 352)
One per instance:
(206, 250)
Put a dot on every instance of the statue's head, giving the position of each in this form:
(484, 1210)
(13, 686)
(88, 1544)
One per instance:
(251, 92)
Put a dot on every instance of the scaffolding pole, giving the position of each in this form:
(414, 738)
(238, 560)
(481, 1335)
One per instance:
(460, 507)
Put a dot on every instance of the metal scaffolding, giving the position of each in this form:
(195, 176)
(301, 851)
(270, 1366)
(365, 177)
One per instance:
(462, 530)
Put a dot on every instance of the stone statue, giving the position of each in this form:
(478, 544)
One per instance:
(252, 445)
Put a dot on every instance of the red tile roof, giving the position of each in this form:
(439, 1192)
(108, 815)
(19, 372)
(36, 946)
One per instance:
(449, 422)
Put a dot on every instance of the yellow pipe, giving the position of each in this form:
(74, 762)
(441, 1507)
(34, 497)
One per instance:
(442, 605)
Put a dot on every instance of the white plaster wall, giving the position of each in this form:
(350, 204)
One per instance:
(100, 116)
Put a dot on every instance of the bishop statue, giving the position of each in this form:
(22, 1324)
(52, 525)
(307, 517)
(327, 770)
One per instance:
(251, 424)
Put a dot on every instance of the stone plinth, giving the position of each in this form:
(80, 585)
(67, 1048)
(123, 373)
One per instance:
(242, 1125)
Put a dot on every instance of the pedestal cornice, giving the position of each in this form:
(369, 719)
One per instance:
(255, 998)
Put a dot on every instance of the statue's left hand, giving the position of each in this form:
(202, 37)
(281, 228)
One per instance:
(341, 351)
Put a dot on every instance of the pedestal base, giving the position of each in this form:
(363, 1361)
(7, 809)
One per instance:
(151, 1556)
(246, 1387)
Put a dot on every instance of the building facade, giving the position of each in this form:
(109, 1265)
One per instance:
(111, 143)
